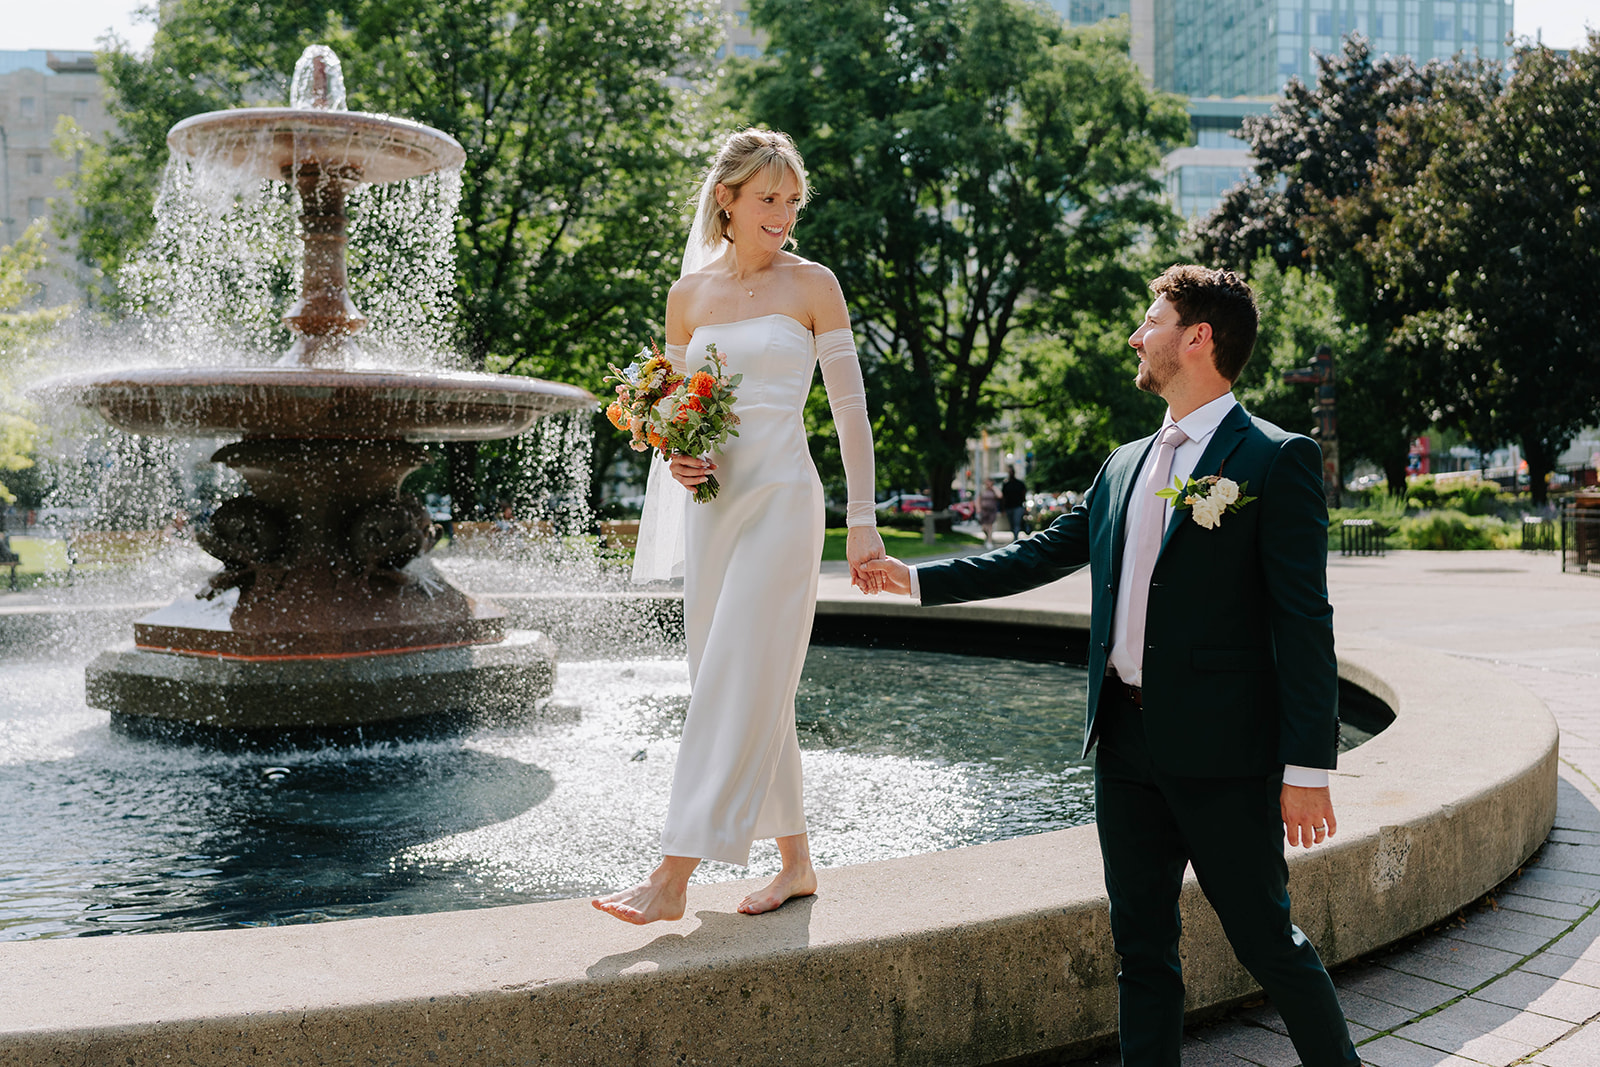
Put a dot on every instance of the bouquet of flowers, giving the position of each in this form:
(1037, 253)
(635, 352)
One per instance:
(676, 415)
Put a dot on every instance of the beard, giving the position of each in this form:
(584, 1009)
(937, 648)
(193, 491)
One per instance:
(1156, 370)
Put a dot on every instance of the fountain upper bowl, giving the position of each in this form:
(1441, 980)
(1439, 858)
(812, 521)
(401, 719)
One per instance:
(271, 142)
(317, 402)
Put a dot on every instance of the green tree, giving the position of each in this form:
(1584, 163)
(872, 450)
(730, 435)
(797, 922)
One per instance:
(22, 333)
(1494, 243)
(579, 142)
(982, 171)
(1299, 313)
(1308, 204)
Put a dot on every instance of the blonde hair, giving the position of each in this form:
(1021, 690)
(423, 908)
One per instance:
(744, 157)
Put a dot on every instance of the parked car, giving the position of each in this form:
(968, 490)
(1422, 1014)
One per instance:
(907, 502)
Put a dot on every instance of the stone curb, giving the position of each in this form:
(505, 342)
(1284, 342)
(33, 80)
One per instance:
(970, 956)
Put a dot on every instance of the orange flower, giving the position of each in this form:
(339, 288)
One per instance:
(693, 404)
(618, 417)
(656, 440)
(702, 384)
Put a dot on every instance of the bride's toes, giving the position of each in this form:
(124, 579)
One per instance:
(782, 888)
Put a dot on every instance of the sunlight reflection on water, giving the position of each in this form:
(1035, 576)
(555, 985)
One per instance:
(905, 752)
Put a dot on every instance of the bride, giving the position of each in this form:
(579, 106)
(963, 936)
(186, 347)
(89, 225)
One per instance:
(750, 557)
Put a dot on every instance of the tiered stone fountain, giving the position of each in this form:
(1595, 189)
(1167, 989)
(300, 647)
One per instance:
(327, 611)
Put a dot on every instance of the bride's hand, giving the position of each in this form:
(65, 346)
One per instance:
(690, 471)
(861, 544)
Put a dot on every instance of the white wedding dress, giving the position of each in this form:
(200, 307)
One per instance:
(751, 560)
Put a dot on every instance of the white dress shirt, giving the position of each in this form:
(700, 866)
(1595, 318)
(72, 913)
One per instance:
(1199, 426)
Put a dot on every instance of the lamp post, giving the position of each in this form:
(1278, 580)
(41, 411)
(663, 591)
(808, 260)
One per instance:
(1320, 374)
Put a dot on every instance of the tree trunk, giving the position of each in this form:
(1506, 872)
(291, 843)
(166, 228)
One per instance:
(1394, 470)
(1541, 461)
(461, 461)
(940, 476)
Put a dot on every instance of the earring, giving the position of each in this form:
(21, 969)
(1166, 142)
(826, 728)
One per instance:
(725, 213)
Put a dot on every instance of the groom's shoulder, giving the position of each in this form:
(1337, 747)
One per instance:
(1273, 434)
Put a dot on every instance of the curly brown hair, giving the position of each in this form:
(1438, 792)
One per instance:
(1220, 298)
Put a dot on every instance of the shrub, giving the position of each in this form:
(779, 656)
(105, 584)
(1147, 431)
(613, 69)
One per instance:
(1470, 498)
(1453, 531)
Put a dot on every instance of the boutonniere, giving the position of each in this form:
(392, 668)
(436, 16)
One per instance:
(1207, 498)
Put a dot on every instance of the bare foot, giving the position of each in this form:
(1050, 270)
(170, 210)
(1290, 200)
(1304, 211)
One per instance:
(646, 902)
(790, 883)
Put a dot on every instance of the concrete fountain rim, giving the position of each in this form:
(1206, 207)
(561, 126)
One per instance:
(1007, 956)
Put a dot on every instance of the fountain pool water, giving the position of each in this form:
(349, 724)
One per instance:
(906, 752)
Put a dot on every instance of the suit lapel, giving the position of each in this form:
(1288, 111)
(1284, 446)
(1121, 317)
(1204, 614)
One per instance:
(1230, 434)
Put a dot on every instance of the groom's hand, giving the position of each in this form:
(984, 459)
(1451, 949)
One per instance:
(890, 574)
(1307, 815)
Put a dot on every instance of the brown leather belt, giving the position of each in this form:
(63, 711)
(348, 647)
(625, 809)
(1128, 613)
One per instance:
(1134, 693)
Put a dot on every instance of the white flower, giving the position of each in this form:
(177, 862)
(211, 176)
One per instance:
(1225, 491)
(1208, 511)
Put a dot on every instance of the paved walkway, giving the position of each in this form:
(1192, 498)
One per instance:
(1515, 978)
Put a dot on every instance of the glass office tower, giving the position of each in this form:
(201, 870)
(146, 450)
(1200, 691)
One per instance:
(1233, 57)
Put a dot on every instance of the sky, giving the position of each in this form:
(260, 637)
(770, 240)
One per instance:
(73, 25)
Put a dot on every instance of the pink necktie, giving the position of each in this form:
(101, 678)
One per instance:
(1153, 515)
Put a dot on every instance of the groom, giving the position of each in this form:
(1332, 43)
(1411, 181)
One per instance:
(1212, 680)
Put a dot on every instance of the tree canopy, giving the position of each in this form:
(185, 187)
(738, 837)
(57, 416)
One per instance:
(579, 134)
(982, 172)
(1490, 236)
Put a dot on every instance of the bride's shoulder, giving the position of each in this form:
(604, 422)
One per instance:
(813, 276)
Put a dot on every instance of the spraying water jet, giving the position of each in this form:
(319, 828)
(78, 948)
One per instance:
(327, 612)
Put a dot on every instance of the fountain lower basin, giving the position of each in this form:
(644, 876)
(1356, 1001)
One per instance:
(1011, 957)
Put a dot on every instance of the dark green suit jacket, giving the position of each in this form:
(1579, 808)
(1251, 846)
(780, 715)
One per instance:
(1239, 669)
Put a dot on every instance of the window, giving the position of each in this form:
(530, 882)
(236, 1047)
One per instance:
(36, 209)
(36, 164)
(1289, 20)
(80, 109)
(1444, 28)
(741, 18)
(29, 106)
(1288, 61)
(1200, 189)
(746, 50)
(1322, 23)
(1210, 137)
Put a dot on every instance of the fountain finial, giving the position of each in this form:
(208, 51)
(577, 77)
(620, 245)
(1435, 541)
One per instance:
(318, 80)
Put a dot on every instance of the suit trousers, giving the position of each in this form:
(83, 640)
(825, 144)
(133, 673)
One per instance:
(1152, 825)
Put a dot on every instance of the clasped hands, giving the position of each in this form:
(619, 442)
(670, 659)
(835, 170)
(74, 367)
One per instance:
(862, 544)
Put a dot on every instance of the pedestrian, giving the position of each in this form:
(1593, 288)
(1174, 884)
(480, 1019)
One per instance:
(1014, 499)
(988, 511)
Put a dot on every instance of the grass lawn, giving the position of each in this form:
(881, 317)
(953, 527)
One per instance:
(902, 544)
(39, 555)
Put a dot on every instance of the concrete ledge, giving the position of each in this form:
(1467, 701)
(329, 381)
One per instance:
(970, 956)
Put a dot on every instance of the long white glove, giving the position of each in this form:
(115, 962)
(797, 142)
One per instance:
(847, 396)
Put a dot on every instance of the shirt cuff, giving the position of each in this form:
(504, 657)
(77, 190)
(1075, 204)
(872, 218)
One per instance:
(857, 513)
(916, 588)
(1303, 777)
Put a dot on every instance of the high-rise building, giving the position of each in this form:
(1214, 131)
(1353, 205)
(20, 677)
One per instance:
(1232, 58)
(38, 88)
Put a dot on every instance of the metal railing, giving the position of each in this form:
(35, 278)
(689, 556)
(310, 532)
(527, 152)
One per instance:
(1580, 534)
(1362, 537)
(1538, 534)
